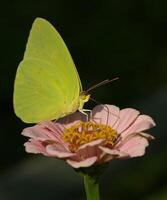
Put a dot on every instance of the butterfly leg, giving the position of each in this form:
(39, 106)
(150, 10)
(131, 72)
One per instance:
(84, 111)
(89, 116)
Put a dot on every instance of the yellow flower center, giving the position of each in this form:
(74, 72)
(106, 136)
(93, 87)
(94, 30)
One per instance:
(85, 132)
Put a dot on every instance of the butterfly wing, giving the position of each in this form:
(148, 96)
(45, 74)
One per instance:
(47, 84)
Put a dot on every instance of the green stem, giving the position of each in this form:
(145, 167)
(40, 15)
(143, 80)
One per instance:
(91, 187)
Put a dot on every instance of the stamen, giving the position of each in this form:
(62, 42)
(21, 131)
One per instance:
(85, 132)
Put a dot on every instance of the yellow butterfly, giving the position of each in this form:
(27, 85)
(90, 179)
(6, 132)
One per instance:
(47, 84)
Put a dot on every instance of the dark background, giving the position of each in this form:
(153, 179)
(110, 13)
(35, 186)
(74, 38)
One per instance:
(106, 39)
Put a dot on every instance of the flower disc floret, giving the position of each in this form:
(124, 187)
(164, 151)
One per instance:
(85, 132)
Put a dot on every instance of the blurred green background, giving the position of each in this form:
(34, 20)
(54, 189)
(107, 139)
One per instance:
(106, 39)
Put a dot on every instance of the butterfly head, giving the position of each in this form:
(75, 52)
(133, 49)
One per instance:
(84, 97)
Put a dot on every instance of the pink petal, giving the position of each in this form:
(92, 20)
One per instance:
(110, 154)
(126, 118)
(58, 151)
(33, 146)
(147, 136)
(35, 132)
(87, 152)
(53, 127)
(91, 144)
(143, 122)
(43, 131)
(83, 163)
(134, 146)
(46, 131)
(105, 114)
(113, 152)
(72, 119)
(53, 131)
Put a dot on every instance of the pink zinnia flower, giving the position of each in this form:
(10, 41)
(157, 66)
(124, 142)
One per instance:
(109, 134)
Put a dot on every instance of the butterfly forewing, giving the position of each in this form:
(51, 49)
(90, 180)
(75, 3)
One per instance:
(47, 84)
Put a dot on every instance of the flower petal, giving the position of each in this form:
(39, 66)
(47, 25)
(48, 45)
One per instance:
(58, 151)
(83, 163)
(126, 118)
(105, 114)
(43, 131)
(35, 132)
(134, 146)
(53, 127)
(91, 144)
(72, 119)
(111, 154)
(143, 122)
(46, 131)
(33, 146)
(147, 136)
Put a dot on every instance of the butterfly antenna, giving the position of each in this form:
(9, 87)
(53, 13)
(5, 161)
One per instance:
(101, 84)
(97, 102)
